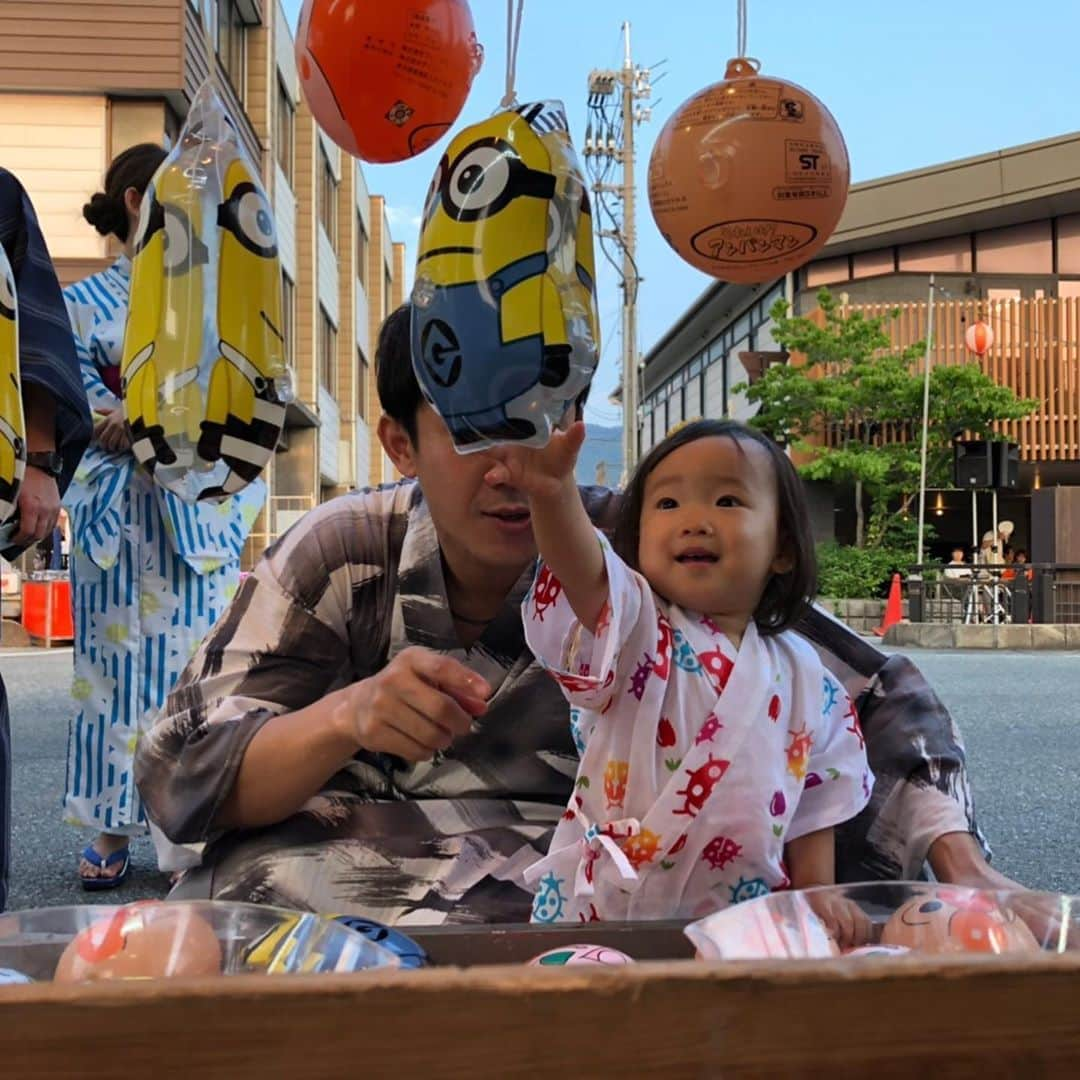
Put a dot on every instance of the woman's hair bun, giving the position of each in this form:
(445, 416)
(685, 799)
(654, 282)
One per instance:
(106, 214)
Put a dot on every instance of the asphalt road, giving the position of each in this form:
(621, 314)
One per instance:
(1019, 714)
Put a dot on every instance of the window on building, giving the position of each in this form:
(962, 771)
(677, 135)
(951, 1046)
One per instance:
(286, 129)
(388, 286)
(327, 354)
(326, 197)
(362, 375)
(230, 43)
(361, 250)
(288, 316)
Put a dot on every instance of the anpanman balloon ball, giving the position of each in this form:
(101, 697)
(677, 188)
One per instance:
(749, 177)
(386, 78)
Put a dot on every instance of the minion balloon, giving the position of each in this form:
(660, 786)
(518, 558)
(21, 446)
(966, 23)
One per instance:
(12, 431)
(504, 328)
(204, 376)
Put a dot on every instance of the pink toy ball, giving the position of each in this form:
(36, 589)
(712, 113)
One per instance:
(568, 955)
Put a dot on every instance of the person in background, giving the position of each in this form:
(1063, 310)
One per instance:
(956, 568)
(150, 573)
(57, 417)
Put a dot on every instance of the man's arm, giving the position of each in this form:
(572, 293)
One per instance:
(39, 496)
(260, 720)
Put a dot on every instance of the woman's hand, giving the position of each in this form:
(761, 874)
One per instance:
(110, 431)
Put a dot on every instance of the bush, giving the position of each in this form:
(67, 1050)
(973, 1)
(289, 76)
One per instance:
(850, 573)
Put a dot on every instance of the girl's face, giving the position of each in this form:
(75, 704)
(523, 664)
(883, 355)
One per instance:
(709, 529)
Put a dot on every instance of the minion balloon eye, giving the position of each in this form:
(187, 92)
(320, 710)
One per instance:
(247, 215)
(486, 176)
(504, 323)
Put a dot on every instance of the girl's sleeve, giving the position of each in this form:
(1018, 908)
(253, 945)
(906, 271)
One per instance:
(590, 667)
(838, 779)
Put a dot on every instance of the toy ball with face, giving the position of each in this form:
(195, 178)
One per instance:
(147, 940)
(950, 921)
(12, 432)
(572, 955)
(504, 322)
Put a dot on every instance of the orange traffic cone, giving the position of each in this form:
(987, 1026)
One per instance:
(894, 609)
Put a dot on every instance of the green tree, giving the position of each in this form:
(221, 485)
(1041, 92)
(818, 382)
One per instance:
(856, 382)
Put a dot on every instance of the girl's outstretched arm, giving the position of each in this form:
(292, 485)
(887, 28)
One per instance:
(564, 534)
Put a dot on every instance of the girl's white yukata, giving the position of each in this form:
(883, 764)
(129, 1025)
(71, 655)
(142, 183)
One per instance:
(697, 763)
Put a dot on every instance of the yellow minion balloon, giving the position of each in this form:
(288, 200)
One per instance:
(160, 364)
(12, 430)
(504, 323)
(244, 413)
(204, 375)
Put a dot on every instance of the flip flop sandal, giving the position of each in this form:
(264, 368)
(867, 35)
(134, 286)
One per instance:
(104, 862)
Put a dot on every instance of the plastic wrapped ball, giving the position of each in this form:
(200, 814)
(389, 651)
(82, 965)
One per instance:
(145, 940)
(408, 951)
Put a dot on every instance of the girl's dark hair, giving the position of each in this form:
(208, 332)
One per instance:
(134, 168)
(787, 595)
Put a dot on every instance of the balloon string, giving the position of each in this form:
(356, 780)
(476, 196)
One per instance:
(742, 28)
(513, 39)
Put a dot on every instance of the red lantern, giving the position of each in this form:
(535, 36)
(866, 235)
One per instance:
(749, 176)
(386, 78)
(979, 338)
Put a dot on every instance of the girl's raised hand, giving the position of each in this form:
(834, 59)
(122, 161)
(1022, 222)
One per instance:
(542, 473)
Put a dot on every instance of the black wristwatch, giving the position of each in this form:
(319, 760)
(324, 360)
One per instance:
(48, 461)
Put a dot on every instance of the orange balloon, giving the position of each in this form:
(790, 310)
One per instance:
(749, 177)
(386, 78)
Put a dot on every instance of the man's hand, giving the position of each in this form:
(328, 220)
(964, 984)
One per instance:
(39, 506)
(540, 474)
(417, 705)
(110, 432)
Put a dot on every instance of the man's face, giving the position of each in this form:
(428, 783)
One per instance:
(480, 525)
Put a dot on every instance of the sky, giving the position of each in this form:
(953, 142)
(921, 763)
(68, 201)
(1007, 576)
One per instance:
(911, 84)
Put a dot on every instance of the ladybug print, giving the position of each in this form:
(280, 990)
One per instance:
(664, 646)
(718, 667)
(702, 781)
(546, 592)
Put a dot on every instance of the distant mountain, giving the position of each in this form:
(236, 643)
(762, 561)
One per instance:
(602, 444)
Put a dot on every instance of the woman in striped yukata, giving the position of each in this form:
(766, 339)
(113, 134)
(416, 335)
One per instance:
(150, 573)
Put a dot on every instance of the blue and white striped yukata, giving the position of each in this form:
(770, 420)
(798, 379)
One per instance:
(150, 575)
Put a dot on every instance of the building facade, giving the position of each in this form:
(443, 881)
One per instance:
(1000, 233)
(81, 80)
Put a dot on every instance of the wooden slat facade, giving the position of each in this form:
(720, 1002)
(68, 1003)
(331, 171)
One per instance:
(91, 46)
(196, 70)
(1036, 353)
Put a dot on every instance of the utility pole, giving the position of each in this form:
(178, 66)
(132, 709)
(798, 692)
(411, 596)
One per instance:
(609, 140)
